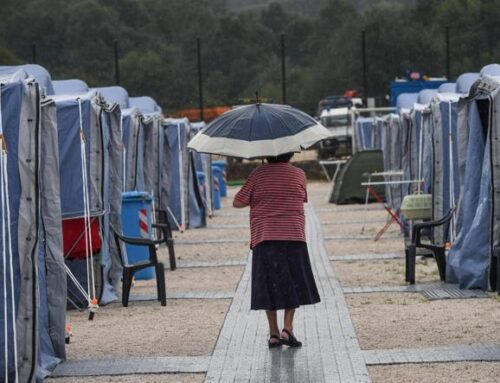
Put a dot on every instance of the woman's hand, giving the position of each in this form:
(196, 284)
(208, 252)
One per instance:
(237, 204)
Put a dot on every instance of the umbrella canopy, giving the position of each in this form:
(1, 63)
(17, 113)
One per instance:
(259, 130)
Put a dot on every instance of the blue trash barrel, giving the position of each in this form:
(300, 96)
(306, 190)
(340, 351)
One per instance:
(136, 222)
(216, 171)
(221, 164)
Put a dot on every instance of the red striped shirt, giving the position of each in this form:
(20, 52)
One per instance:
(276, 194)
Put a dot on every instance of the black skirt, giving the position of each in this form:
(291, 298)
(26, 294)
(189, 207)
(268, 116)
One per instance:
(281, 276)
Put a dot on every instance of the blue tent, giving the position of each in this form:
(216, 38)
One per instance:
(37, 277)
(185, 202)
(473, 260)
(392, 147)
(132, 136)
(446, 159)
(99, 122)
(447, 87)
(146, 104)
(72, 86)
(464, 82)
(39, 73)
(490, 70)
(203, 164)
(156, 156)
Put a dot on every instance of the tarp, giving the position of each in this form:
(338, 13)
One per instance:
(30, 129)
(392, 147)
(405, 101)
(445, 161)
(447, 87)
(156, 150)
(469, 257)
(203, 163)
(115, 94)
(464, 82)
(473, 254)
(101, 129)
(185, 201)
(40, 74)
(72, 86)
(146, 104)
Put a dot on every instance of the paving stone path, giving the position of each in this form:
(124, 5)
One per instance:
(331, 351)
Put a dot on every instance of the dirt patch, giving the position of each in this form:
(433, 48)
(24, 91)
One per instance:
(142, 378)
(183, 327)
(193, 279)
(409, 320)
(386, 272)
(463, 372)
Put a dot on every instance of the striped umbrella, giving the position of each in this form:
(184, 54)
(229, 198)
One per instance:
(259, 130)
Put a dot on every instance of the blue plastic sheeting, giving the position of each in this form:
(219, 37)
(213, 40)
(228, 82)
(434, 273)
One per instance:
(41, 75)
(11, 100)
(447, 87)
(146, 104)
(425, 96)
(427, 152)
(369, 133)
(133, 141)
(392, 149)
(450, 171)
(465, 81)
(185, 201)
(115, 94)
(70, 155)
(490, 70)
(364, 130)
(468, 259)
(47, 360)
(72, 86)
(406, 101)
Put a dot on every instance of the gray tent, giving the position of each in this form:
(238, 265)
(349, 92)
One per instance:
(156, 150)
(392, 147)
(38, 278)
(72, 86)
(473, 259)
(347, 186)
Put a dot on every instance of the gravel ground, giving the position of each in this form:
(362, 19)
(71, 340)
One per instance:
(348, 247)
(209, 252)
(183, 327)
(193, 279)
(222, 233)
(391, 320)
(477, 372)
(146, 378)
(386, 272)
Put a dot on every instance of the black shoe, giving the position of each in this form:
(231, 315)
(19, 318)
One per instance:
(274, 344)
(291, 341)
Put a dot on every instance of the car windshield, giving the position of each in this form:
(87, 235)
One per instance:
(336, 121)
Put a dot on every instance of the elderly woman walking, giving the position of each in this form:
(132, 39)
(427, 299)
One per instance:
(282, 278)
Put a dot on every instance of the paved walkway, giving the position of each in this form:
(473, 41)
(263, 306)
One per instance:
(331, 352)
